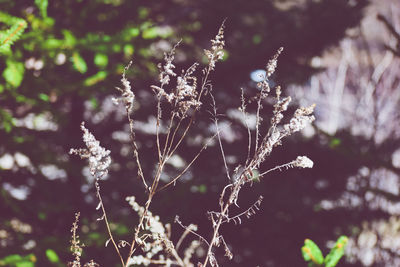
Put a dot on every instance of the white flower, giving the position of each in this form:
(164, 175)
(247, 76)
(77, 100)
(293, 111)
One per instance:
(273, 63)
(303, 162)
(99, 157)
(216, 53)
(127, 95)
(302, 117)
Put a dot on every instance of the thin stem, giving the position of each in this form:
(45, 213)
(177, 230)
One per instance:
(192, 117)
(167, 146)
(182, 137)
(219, 137)
(106, 222)
(225, 210)
(135, 149)
(187, 231)
(176, 256)
(258, 121)
(255, 205)
(243, 109)
(216, 233)
(140, 225)
(188, 166)
(287, 165)
(191, 231)
(158, 128)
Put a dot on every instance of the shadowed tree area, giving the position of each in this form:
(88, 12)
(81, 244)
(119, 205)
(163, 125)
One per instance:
(62, 67)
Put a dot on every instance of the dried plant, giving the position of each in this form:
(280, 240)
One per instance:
(76, 247)
(185, 98)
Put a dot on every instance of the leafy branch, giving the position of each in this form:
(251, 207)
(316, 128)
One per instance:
(12, 34)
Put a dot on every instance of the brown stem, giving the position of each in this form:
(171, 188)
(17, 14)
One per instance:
(140, 225)
(107, 223)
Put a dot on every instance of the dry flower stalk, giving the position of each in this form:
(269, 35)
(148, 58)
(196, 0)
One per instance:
(76, 247)
(151, 236)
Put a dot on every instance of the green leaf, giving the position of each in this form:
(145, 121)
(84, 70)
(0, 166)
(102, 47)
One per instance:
(18, 260)
(42, 5)
(14, 72)
(52, 43)
(8, 37)
(18, 139)
(335, 142)
(69, 38)
(133, 32)
(150, 33)
(202, 188)
(7, 120)
(42, 216)
(311, 252)
(48, 22)
(143, 12)
(10, 259)
(44, 97)
(7, 126)
(98, 77)
(128, 50)
(78, 62)
(52, 255)
(254, 175)
(94, 102)
(25, 264)
(116, 48)
(257, 38)
(122, 230)
(101, 60)
(21, 99)
(154, 32)
(336, 252)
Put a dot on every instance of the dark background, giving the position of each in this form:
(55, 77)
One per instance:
(141, 30)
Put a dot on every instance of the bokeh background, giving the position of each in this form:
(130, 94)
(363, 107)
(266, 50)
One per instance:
(343, 55)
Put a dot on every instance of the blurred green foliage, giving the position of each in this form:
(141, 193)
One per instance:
(54, 55)
(16, 260)
(12, 34)
(49, 41)
(313, 255)
(52, 256)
